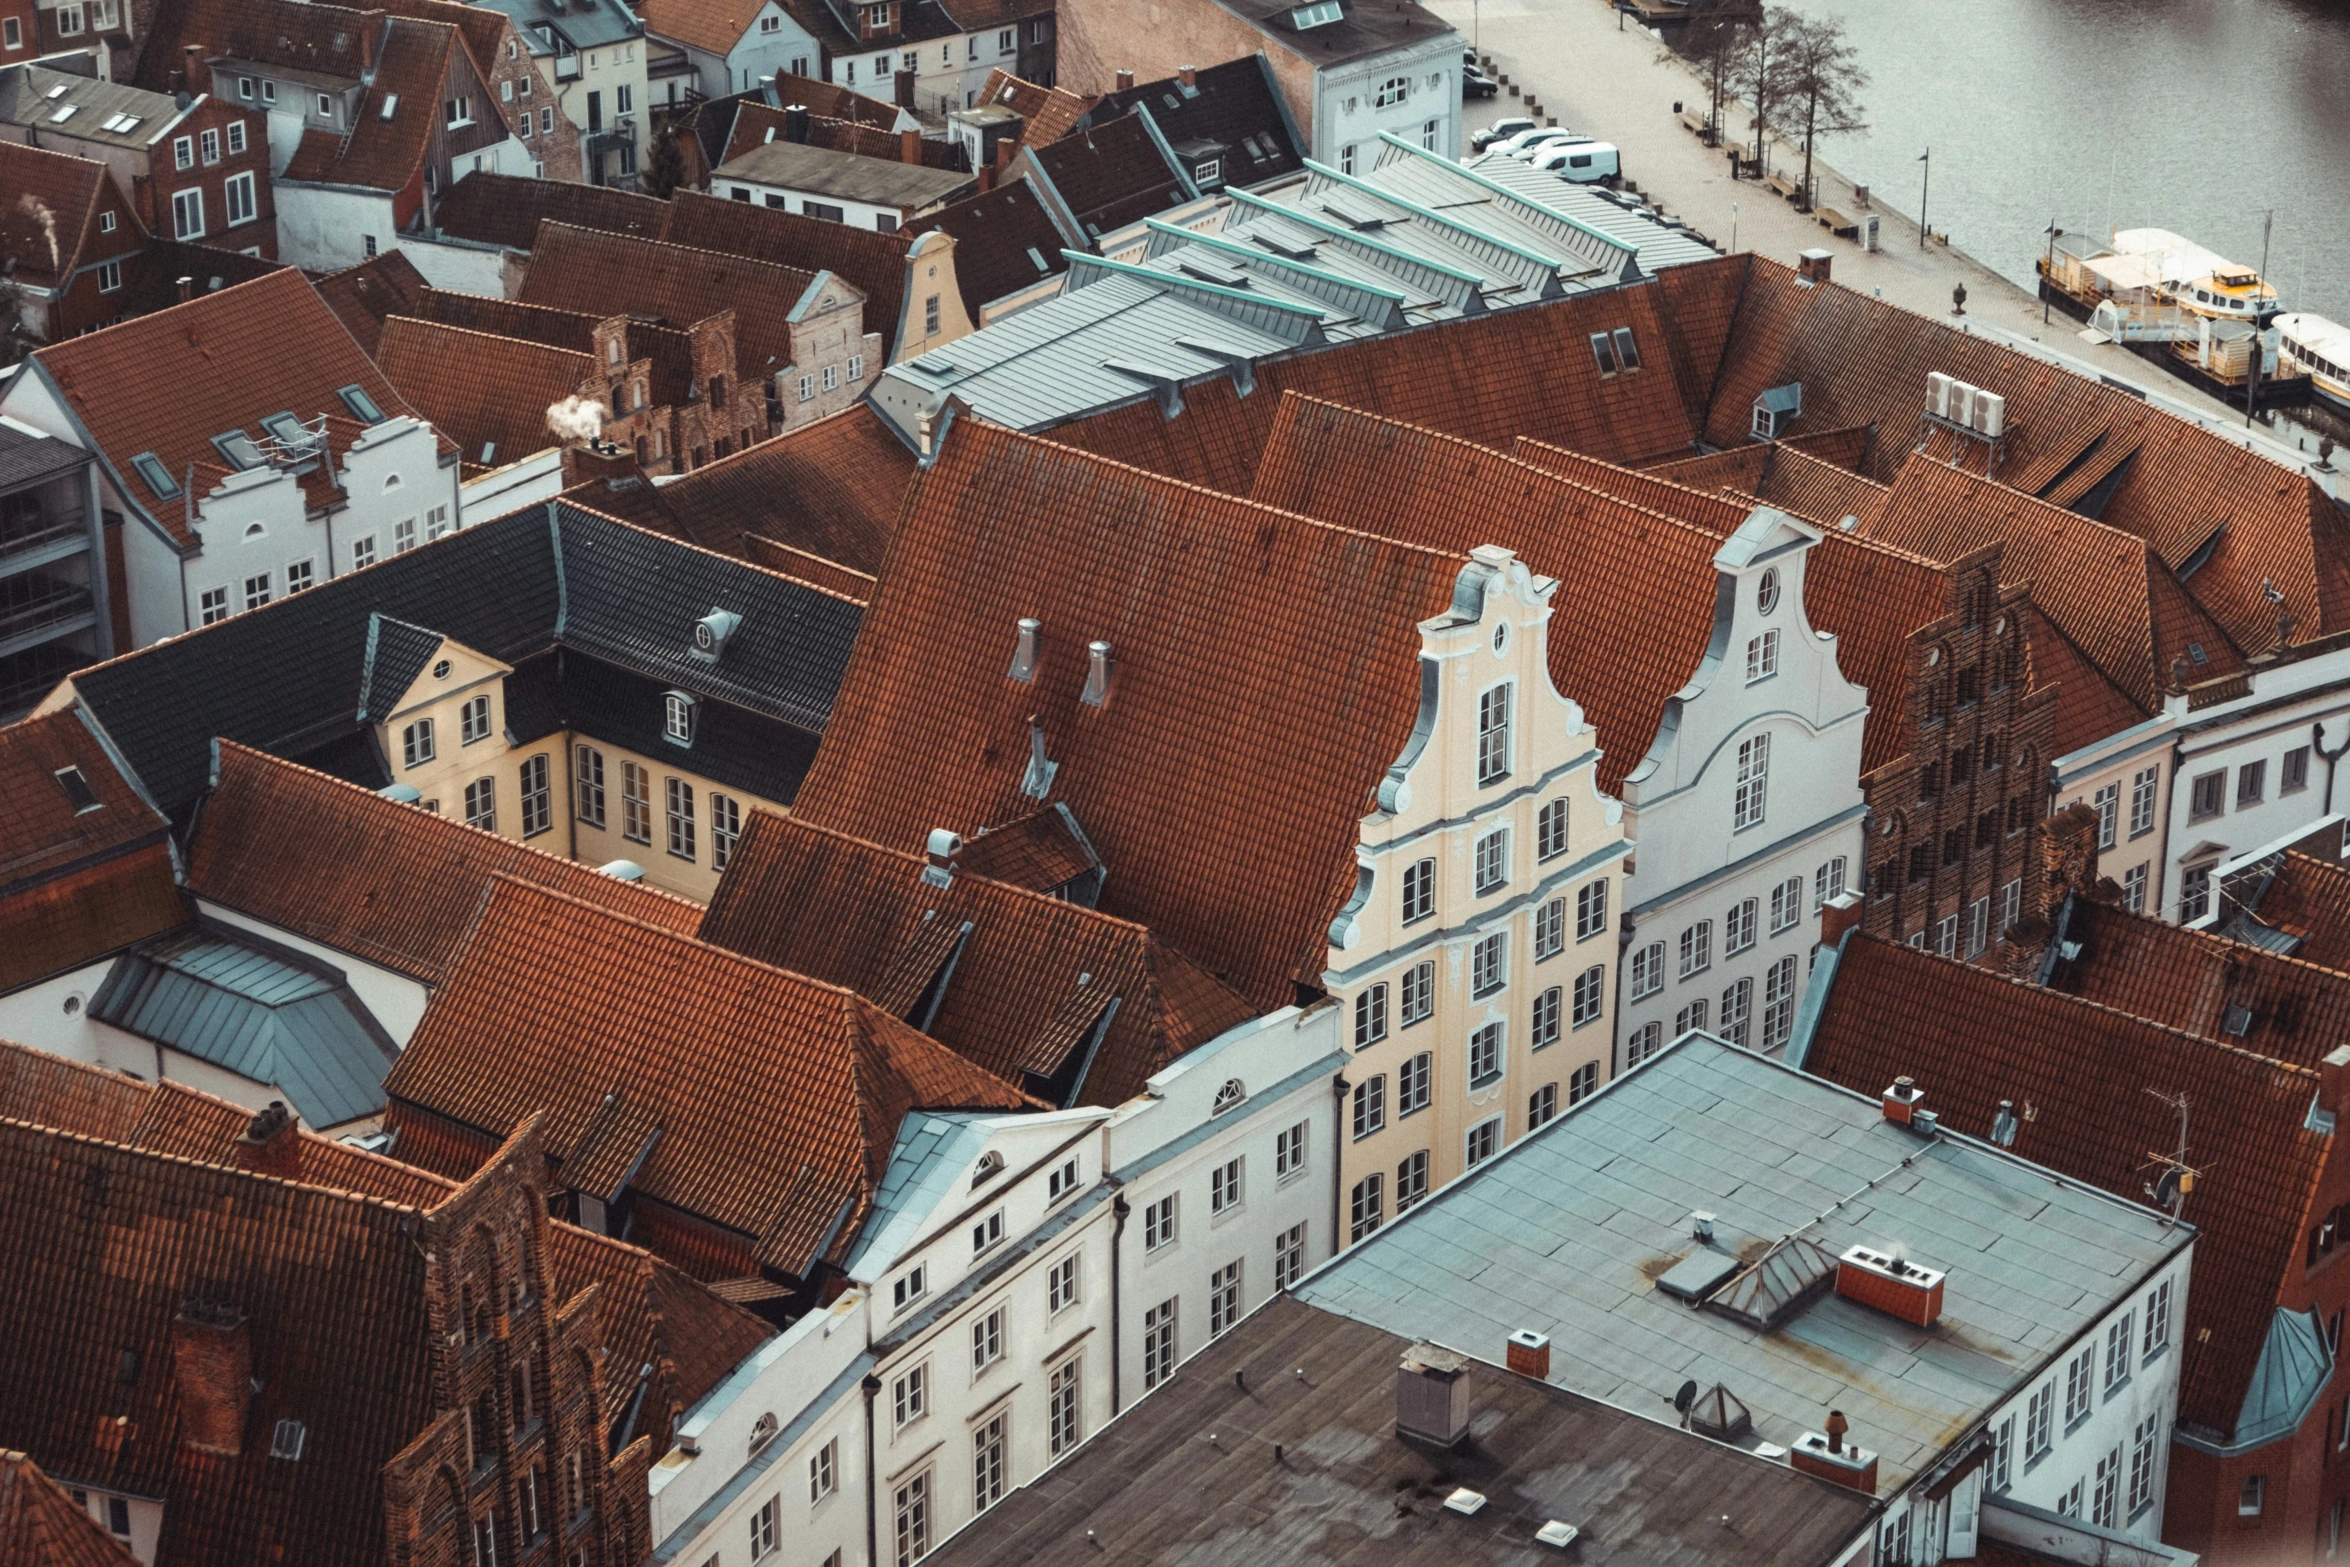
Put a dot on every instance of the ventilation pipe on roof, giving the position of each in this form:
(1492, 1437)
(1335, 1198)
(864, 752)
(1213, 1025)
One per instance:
(1188, 76)
(795, 122)
(1432, 1395)
(1097, 674)
(1125, 81)
(1024, 650)
(1037, 783)
(185, 287)
(943, 846)
(1827, 1455)
(2003, 1124)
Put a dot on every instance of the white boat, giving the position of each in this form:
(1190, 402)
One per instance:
(2320, 349)
(2183, 273)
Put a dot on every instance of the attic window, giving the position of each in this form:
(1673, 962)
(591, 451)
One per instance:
(391, 105)
(64, 113)
(991, 1164)
(677, 719)
(286, 1441)
(361, 405)
(1319, 14)
(85, 799)
(1037, 257)
(763, 1431)
(1228, 1097)
(150, 467)
(1603, 350)
(121, 124)
(910, 1287)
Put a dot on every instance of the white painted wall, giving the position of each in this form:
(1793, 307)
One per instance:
(2301, 704)
(458, 266)
(536, 478)
(857, 214)
(1695, 863)
(1346, 112)
(53, 1015)
(2107, 776)
(325, 228)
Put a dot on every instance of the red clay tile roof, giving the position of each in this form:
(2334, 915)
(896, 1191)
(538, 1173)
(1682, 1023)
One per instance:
(1488, 379)
(1041, 851)
(1791, 480)
(1212, 606)
(814, 570)
(712, 25)
(1046, 113)
(391, 884)
(832, 101)
(2089, 706)
(41, 1526)
(832, 489)
(75, 885)
(362, 296)
(606, 274)
(333, 40)
(1651, 488)
(2196, 982)
(488, 394)
(2078, 1074)
(872, 262)
(384, 152)
(2108, 591)
(506, 209)
(255, 349)
(777, 1099)
(1862, 361)
(756, 124)
(650, 1311)
(1635, 603)
(571, 330)
(2310, 897)
(1004, 242)
(50, 213)
(1031, 976)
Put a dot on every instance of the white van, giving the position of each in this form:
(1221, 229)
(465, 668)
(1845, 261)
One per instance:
(1581, 159)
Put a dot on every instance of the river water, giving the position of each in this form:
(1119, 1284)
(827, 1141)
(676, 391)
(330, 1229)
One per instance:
(2199, 116)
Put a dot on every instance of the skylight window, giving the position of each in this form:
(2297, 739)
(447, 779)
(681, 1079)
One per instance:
(361, 405)
(150, 468)
(65, 113)
(85, 799)
(391, 104)
(57, 91)
(1315, 15)
(287, 430)
(121, 124)
(238, 448)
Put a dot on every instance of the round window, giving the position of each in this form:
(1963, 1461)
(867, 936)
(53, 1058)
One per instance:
(1501, 636)
(1766, 597)
(73, 1006)
(440, 671)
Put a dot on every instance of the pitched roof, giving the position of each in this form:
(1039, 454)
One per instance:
(1972, 1038)
(256, 349)
(849, 175)
(605, 274)
(33, 96)
(76, 883)
(712, 25)
(2107, 590)
(1046, 113)
(1359, 31)
(507, 209)
(571, 330)
(1107, 177)
(2069, 440)
(832, 101)
(1236, 106)
(769, 1101)
(1004, 241)
(362, 296)
(334, 41)
(814, 570)
(65, 188)
(757, 123)
(866, 260)
(2309, 898)
(1012, 980)
(41, 1526)
(390, 884)
(390, 134)
(1238, 865)
(1796, 481)
(489, 394)
(650, 1312)
(2201, 984)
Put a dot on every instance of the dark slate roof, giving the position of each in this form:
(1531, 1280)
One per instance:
(1109, 177)
(1004, 241)
(1225, 106)
(26, 459)
(1320, 1388)
(286, 678)
(396, 654)
(505, 209)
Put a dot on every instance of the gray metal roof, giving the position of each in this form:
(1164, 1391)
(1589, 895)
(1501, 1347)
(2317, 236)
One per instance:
(588, 24)
(884, 182)
(257, 1009)
(932, 1150)
(1659, 241)
(1323, 258)
(33, 96)
(1568, 1232)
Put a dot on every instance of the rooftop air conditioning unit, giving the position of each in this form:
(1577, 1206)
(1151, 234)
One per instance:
(1990, 413)
(1962, 403)
(1938, 394)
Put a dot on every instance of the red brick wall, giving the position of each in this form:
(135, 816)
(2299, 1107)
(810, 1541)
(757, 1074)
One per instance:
(165, 178)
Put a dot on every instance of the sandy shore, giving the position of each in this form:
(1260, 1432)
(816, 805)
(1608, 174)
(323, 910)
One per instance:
(1619, 83)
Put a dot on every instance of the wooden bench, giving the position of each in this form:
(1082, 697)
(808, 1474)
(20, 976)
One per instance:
(1781, 184)
(1837, 223)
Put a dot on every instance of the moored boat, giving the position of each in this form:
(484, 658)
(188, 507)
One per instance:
(2197, 280)
(2319, 349)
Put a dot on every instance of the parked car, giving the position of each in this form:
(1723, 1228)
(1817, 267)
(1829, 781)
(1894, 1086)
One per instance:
(1520, 145)
(1580, 159)
(1476, 84)
(1499, 130)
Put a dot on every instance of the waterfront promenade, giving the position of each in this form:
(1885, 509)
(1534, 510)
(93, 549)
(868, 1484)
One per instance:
(1620, 84)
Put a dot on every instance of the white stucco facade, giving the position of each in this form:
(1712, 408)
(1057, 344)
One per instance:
(1747, 808)
(1414, 92)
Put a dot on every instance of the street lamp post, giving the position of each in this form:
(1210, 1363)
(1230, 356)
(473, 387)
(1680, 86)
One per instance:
(1733, 228)
(1925, 184)
(2049, 271)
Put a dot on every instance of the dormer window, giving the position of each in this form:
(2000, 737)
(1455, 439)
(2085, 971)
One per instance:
(1228, 1097)
(677, 720)
(711, 633)
(763, 1431)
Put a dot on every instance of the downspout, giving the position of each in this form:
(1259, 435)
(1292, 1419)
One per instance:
(188, 512)
(1338, 1091)
(872, 1386)
(1119, 1208)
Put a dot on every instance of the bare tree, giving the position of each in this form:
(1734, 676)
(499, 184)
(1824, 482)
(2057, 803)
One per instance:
(1717, 39)
(1754, 71)
(1816, 82)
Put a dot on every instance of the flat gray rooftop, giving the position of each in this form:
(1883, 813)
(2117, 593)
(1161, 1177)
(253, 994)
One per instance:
(1568, 1232)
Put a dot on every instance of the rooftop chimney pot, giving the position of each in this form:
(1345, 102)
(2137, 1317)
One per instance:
(1432, 1395)
(910, 147)
(795, 122)
(940, 852)
(1125, 81)
(1024, 649)
(1901, 1100)
(1529, 1354)
(271, 1144)
(186, 287)
(1701, 1227)
(1837, 1426)
(1188, 76)
(1097, 674)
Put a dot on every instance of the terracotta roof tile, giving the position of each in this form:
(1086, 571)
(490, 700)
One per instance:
(1791, 480)
(855, 914)
(1652, 488)
(777, 1098)
(2089, 706)
(41, 1526)
(386, 151)
(332, 40)
(2310, 897)
(507, 209)
(2203, 984)
(488, 394)
(75, 884)
(362, 296)
(756, 124)
(1004, 242)
(255, 349)
(1230, 858)
(70, 189)
(814, 570)
(874, 263)
(1041, 851)
(391, 884)
(832, 101)
(2078, 1074)
(1046, 113)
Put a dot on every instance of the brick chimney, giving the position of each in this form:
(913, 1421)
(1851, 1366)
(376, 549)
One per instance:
(986, 178)
(1006, 148)
(186, 289)
(1529, 1354)
(1901, 1100)
(910, 143)
(271, 1143)
(2333, 1081)
(1829, 1456)
(2068, 856)
(600, 459)
(1838, 915)
(795, 122)
(212, 1371)
(1125, 81)
(1188, 76)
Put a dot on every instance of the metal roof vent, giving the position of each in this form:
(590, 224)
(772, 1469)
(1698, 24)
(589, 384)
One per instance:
(1097, 674)
(2003, 1124)
(941, 850)
(1024, 649)
(1466, 1502)
(1555, 1533)
(1432, 1398)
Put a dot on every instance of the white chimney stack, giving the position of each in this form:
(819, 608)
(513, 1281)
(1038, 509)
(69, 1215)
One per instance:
(1024, 649)
(1097, 674)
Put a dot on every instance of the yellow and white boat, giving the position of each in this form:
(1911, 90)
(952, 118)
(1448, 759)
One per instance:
(2319, 349)
(2198, 281)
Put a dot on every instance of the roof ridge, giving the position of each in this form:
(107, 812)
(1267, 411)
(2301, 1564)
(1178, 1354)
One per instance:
(2227, 946)
(670, 244)
(737, 561)
(233, 1171)
(426, 323)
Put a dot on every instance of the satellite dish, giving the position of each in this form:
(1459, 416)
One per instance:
(1687, 1396)
(2166, 1188)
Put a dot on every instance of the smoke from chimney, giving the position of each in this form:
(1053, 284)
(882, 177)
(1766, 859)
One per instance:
(39, 212)
(576, 419)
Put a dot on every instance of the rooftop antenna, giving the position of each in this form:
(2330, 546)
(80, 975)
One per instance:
(2177, 1178)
